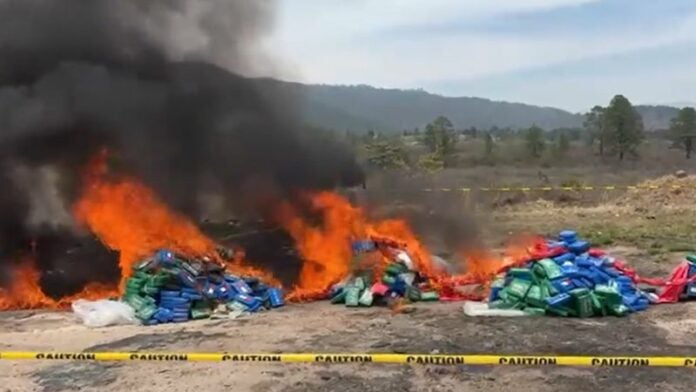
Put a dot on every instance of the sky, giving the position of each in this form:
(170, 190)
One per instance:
(571, 54)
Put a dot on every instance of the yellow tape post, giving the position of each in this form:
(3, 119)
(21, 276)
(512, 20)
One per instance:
(416, 359)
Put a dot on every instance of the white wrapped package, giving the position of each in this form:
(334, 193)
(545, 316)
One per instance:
(104, 312)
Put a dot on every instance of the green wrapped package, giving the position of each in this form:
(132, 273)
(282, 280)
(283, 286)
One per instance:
(518, 288)
(200, 313)
(691, 258)
(583, 305)
(339, 298)
(413, 293)
(429, 296)
(500, 304)
(146, 312)
(551, 269)
(235, 306)
(521, 273)
(535, 297)
(150, 290)
(136, 301)
(597, 306)
(618, 310)
(395, 269)
(558, 310)
(366, 298)
(352, 296)
(359, 283)
(532, 311)
(608, 295)
(388, 279)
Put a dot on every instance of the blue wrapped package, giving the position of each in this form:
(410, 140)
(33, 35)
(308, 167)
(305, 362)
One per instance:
(493, 294)
(151, 321)
(252, 303)
(186, 278)
(640, 305)
(691, 290)
(692, 269)
(165, 257)
(163, 315)
(363, 246)
(192, 296)
(398, 287)
(558, 300)
(600, 275)
(563, 258)
(209, 290)
(275, 298)
(230, 278)
(583, 261)
(562, 285)
(570, 271)
(589, 283)
(224, 291)
(579, 283)
(579, 247)
(241, 287)
(554, 244)
(612, 272)
(567, 236)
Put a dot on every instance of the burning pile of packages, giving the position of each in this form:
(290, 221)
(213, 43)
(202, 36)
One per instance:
(169, 287)
(399, 280)
(573, 280)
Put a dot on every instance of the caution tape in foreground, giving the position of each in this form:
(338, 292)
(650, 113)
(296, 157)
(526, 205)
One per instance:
(418, 359)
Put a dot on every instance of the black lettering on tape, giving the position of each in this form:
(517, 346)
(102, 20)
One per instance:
(343, 358)
(251, 358)
(617, 361)
(63, 356)
(689, 362)
(527, 361)
(159, 357)
(435, 360)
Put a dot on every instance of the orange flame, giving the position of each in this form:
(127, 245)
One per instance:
(128, 217)
(25, 292)
(325, 248)
(482, 264)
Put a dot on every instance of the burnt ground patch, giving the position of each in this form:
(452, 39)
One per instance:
(75, 376)
(156, 341)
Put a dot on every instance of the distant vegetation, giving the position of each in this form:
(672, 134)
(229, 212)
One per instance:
(614, 133)
(363, 108)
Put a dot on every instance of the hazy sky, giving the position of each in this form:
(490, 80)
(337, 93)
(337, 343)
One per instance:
(571, 54)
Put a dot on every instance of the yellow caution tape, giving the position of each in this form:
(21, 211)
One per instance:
(418, 359)
(586, 188)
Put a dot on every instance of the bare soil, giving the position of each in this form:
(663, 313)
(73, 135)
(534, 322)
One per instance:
(652, 238)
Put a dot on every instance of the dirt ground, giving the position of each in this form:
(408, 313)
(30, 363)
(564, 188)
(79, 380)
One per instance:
(436, 328)
(651, 238)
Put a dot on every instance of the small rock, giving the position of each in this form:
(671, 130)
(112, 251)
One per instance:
(378, 322)
(680, 174)
(435, 351)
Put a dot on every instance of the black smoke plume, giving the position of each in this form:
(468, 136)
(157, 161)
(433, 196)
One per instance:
(150, 81)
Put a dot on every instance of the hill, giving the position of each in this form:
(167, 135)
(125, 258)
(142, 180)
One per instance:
(361, 108)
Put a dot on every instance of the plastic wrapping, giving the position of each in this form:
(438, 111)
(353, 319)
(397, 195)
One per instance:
(103, 313)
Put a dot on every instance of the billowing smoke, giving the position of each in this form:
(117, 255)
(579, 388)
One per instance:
(156, 83)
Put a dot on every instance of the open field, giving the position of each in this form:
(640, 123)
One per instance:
(652, 236)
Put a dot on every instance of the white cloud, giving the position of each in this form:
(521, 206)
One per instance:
(328, 41)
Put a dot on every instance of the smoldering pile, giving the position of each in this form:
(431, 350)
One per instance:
(150, 82)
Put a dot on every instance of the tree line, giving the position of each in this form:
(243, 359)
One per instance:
(616, 131)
